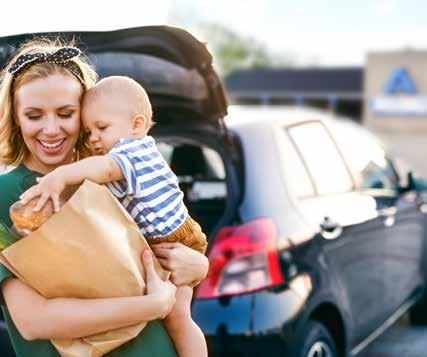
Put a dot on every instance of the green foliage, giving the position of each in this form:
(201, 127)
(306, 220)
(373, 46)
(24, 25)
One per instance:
(233, 51)
(7, 237)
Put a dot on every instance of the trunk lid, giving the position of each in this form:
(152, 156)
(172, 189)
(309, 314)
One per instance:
(174, 67)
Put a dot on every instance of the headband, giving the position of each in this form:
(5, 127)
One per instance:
(64, 57)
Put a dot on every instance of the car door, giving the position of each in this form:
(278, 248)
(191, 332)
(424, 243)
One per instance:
(352, 237)
(404, 240)
(402, 221)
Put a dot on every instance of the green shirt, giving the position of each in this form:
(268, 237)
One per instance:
(152, 341)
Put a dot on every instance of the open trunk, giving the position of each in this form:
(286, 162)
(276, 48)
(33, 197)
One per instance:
(176, 70)
(207, 174)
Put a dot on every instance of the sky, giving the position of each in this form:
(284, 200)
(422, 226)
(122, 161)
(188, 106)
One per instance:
(316, 32)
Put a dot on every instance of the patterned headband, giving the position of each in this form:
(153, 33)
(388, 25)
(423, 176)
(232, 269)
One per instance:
(64, 57)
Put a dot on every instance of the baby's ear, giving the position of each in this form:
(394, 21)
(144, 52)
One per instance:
(139, 122)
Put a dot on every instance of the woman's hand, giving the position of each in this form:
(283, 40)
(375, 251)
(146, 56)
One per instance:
(164, 290)
(185, 264)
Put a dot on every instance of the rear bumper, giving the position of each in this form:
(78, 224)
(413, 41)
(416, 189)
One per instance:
(272, 344)
(250, 325)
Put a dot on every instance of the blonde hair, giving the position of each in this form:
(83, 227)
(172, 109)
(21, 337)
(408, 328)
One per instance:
(12, 147)
(124, 88)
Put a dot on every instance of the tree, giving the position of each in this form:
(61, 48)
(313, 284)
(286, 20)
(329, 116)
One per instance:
(230, 49)
(233, 51)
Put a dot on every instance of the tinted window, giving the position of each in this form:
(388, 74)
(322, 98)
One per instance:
(366, 157)
(199, 162)
(202, 179)
(321, 157)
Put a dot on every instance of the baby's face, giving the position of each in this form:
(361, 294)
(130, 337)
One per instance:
(106, 122)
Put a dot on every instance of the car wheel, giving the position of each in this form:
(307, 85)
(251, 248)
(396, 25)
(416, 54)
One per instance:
(315, 341)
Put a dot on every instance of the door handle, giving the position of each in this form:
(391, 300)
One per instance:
(388, 216)
(330, 229)
(422, 207)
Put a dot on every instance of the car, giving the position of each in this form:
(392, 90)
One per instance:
(328, 246)
(316, 243)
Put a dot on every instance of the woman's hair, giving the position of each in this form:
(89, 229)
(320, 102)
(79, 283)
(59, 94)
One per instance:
(12, 147)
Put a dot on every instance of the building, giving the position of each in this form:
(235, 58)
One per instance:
(388, 95)
(336, 89)
(395, 103)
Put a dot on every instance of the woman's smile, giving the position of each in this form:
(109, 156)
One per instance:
(52, 147)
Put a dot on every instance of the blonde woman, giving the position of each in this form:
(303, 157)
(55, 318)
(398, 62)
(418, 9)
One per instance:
(40, 98)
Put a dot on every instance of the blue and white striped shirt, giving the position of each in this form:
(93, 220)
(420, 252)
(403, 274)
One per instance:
(150, 190)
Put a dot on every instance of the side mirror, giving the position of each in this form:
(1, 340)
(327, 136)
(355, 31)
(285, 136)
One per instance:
(414, 184)
(411, 183)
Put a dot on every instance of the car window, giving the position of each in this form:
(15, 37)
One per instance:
(200, 170)
(321, 157)
(297, 178)
(197, 161)
(202, 179)
(369, 163)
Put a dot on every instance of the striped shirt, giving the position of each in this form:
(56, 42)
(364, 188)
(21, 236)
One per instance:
(149, 190)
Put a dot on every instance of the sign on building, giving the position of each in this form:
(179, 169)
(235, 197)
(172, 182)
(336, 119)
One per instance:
(400, 97)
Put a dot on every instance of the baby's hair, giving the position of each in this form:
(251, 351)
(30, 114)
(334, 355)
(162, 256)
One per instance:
(12, 147)
(124, 88)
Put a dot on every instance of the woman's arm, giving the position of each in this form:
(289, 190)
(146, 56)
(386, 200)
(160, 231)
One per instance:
(39, 318)
(186, 265)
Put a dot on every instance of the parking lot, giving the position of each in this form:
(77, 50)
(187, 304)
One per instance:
(402, 340)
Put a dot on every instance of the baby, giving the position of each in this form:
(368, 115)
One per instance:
(117, 116)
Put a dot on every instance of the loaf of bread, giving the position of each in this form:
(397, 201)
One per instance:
(25, 219)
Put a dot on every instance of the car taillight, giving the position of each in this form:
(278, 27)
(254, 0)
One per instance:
(243, 259)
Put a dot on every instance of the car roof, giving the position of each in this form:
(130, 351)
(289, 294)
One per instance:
(256, 118)
(263, 115)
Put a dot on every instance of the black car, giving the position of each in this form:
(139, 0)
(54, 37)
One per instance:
(326, 249)
(315, 243)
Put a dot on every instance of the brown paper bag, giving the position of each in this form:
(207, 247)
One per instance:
(90, 249)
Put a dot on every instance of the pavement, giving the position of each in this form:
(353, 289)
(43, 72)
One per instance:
(401, 340)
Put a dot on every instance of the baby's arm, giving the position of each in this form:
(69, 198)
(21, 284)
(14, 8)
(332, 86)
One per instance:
(100, 169)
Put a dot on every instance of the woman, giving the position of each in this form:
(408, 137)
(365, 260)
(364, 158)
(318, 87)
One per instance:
(40, 98)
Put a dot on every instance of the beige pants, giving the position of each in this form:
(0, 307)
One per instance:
(188, 233)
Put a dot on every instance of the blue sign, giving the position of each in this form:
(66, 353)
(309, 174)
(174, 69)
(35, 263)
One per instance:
(400, 97)
(400, 82)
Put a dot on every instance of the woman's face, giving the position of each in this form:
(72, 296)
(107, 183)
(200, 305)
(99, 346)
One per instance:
(48, 112)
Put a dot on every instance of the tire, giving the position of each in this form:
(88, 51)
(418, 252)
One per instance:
(315, 341)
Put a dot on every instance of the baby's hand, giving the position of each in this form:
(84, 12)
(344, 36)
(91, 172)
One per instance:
(48, 187)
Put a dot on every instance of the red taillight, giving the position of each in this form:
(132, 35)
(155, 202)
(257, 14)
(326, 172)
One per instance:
(243, 258)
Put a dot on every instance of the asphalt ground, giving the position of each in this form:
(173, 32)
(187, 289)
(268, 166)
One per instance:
(401, 340)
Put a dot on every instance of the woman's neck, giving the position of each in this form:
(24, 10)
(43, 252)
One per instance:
(35, 165)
